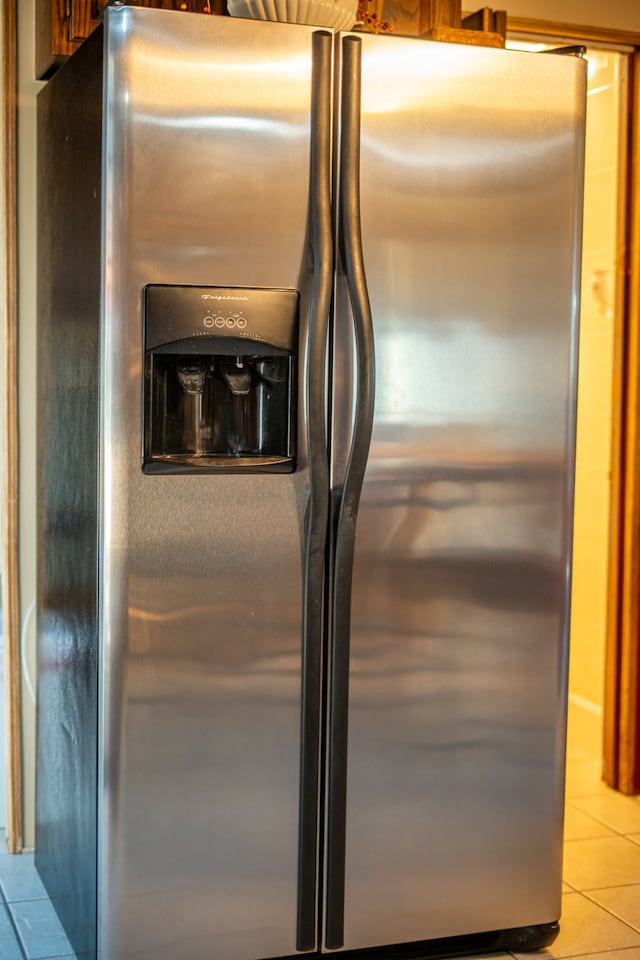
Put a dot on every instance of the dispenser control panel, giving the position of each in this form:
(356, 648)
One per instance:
(219, 379)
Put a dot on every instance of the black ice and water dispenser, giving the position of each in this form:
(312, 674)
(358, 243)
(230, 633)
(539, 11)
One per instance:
(219, 379)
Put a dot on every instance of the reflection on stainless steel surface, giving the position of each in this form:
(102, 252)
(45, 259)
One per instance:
(210, 733)
(459, 610)
(201, 708)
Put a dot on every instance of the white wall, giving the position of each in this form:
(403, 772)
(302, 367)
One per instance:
(618, 14)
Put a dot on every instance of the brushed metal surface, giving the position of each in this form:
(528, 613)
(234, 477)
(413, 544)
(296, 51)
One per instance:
(206, 118)
(67, 592)
(471, 171)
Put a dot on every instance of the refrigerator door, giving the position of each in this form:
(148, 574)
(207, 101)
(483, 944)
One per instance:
(206, 184)
(471, 172)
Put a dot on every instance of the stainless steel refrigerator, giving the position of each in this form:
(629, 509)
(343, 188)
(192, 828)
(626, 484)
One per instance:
(307, 366)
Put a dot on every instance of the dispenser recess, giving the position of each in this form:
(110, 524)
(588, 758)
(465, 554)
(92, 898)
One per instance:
(219, 379)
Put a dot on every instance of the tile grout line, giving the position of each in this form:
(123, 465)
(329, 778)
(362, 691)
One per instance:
(602, 823)
(602, 907)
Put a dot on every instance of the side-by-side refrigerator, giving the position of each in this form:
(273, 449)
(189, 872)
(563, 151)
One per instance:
(307, 366)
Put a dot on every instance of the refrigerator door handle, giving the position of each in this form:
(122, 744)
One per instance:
(321, 237)
(351, 248)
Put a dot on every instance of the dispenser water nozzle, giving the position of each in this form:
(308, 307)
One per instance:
(236, 375)
(192, 372)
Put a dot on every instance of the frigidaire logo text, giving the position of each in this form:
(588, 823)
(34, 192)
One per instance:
(221, 296)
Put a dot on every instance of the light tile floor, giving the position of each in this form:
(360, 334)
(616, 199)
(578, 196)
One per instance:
(601, 900)
(29, 926)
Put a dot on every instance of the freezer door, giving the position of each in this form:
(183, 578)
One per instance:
(471, 197)
(206, 185)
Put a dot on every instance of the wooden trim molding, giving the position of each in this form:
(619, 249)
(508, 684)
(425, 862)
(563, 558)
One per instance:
(622, 681)
(10, 591)
(573, 31)
(618, 422)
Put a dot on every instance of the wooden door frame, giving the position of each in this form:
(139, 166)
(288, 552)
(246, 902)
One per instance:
(10, 571)
(621, 762)
(622, 677)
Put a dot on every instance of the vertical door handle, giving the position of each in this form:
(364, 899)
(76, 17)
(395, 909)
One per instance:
(351, 248)
(321, 237)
